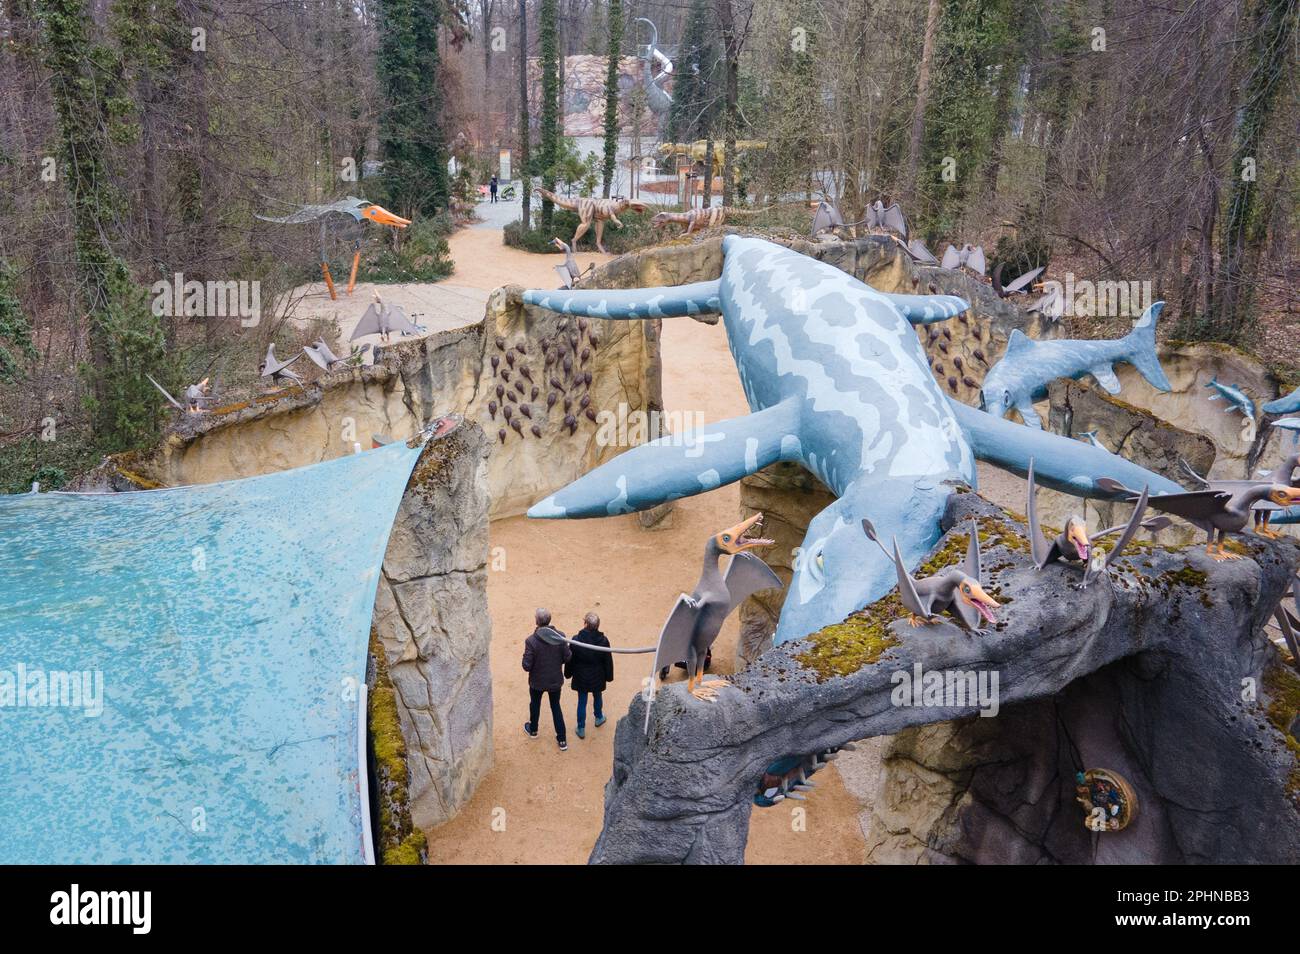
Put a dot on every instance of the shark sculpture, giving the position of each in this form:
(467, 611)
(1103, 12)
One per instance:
(1020, 378)
(836, 380)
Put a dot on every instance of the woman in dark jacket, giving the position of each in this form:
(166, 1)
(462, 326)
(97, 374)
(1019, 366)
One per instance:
(590, 671)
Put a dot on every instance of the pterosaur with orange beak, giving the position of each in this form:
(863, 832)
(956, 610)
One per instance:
(357, 209)
(697, 619)
(1074, 545)
(1219, 512)
(956, 590)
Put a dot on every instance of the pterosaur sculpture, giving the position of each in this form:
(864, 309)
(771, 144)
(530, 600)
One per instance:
(1021, 285)
(384, 320)
(969, 257)
(197, 396)
(570, 274)
(1074, 545)
(350, 208)
(837, 381)
(1220, 512)
(696, 620)
(955, 590)
(321, 355)
(1262, 510)
(277, 370)
(1021, 376)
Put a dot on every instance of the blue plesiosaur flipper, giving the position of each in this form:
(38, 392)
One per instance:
(679, 465)
(673, 301)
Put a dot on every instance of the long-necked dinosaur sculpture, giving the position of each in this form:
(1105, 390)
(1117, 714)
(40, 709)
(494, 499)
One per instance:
(836, 380)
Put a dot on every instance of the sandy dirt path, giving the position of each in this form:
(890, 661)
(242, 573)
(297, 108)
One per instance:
(553, 801)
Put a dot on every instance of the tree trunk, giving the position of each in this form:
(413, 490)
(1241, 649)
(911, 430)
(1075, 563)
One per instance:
(922, 97)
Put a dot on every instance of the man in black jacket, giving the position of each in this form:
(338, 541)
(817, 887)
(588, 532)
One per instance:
(590, 671)
(544, 662)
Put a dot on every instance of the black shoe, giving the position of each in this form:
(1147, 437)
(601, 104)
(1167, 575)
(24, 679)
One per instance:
(564, 746)
(529, 730)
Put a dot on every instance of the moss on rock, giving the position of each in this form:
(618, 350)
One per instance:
(398, 842)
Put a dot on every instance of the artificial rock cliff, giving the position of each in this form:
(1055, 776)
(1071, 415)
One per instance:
(1162, 674)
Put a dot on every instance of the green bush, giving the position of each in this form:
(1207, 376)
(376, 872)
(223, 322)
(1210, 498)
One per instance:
(424, 255)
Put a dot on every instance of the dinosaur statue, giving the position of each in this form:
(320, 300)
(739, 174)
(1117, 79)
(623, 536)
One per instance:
(593, 210)
(699, 219)
(353, 207)
(836, 381)
(696, 151)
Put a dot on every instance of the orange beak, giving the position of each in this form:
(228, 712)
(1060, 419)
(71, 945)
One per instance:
(1079, 537)
(980, 600)
(1285, 496)
(733, 539)
(381, 216)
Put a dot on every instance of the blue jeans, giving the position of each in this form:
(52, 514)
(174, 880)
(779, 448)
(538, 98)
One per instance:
(582, 707)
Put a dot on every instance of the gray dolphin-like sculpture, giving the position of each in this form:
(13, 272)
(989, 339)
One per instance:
(836, 381)
(1237, 399)
(1021, 376)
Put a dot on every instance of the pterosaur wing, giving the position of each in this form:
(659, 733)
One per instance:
(826, 217)
(1197, 506)
(1039, 547)
(975, 260)
(746, 576)
(316, 357)
(1130, 531)
(325, 352)
(1024, 279)
(972, 565)
(893, 219)
(907, 594)
(369, 323)
(310, 213)
(951, 258)
(674, 644)
(677, 633)
(396, 320)
(170, 400)
(916, 248)
(566, 279)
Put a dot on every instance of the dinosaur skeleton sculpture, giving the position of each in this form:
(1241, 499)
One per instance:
(1074, 545)
(569, 272)
(593, 211)
(696, 620)
(357, 210)
(1217, 512)
(956, 590)
(196, 395)
(381, 319)
(792, 775)
(699, 219)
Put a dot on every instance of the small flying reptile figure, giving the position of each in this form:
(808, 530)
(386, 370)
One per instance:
(1073, 543)
(956, 590)
(696, 620)
(381, 319)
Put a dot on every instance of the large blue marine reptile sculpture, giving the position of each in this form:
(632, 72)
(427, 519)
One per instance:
(836, 380)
